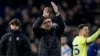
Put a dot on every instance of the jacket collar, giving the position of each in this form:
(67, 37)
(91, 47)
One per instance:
(15, 31)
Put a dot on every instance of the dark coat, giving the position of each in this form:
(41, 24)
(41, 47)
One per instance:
(14, 43)
(49, 41)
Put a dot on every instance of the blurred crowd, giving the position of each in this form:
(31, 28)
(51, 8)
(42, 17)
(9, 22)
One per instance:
(74, 12)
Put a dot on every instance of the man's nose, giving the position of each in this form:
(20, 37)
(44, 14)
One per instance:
(14, 26)
(48, 23)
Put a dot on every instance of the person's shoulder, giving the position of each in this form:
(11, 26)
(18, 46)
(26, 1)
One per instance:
(5, 36)
(67, 46)
(23, 36)
(74, 40)
(77, 38)
(80, 37)
(93, 44)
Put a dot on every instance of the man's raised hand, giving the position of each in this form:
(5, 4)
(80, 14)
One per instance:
(46, 12)
(54, 7)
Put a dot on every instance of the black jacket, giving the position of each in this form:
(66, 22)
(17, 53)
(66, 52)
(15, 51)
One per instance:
(49, 41)
(14, 43)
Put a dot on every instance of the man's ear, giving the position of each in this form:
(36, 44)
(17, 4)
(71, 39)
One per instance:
(80, 30)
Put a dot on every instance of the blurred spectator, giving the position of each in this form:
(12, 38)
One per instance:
(64, 5)
(25, 20)
(42, 7)
(35, 12)
(29, 32)
(2, 30)
(7, 17)
(94, 48)
(65, 49)
(30, 2)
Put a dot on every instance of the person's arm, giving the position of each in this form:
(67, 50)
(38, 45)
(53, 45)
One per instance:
(59, 20)
(39, 21)
(36, 26)
(26, 47)
(3, 46)
(93, 37)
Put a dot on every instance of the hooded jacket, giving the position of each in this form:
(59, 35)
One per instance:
(14, 43)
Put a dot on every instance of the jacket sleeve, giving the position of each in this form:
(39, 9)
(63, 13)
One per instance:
(26, 47)
(93, 37)
(3, 45)
(60, 23)
(36, 26)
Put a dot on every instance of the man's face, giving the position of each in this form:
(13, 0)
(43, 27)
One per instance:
(47, 24)
(63, 40)
(85, 31)
(14, 27)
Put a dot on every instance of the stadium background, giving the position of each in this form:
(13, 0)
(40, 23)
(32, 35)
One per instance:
(74, 12)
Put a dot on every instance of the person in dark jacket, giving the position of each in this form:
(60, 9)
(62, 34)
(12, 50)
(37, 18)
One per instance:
(94, 48)
(14, 43)
(49, 34)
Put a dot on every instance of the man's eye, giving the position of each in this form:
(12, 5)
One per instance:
(86, 29)
(12, 25)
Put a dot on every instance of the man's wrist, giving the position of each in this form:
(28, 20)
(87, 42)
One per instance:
(57, 13)
(43, 17)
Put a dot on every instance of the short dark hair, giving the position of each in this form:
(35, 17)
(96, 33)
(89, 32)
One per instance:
(15, 22)
(81, 26)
